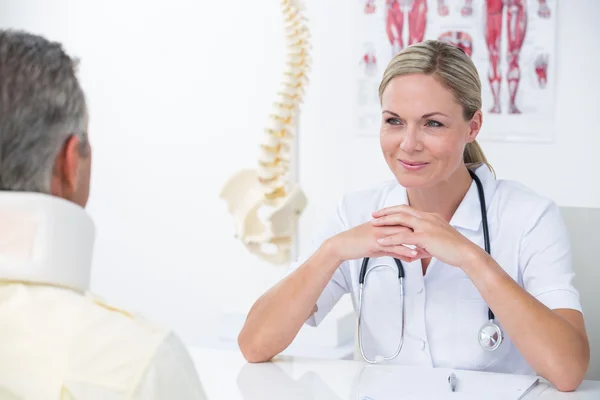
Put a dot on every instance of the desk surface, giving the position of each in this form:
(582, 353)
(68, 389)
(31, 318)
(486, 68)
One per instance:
(226, 375)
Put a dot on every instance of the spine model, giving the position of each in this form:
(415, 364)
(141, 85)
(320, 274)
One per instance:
(265, 202)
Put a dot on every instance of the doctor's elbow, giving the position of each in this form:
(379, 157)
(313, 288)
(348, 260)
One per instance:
(567, 378)
(253, 348)
(567, 383)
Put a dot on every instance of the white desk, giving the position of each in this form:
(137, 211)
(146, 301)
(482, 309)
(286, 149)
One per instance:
(226, 375)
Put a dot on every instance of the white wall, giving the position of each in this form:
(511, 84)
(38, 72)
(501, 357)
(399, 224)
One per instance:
(179, 92)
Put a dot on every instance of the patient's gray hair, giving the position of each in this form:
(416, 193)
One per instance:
(41, 106)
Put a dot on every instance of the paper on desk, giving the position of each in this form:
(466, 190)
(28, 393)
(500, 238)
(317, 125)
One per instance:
(389, 382)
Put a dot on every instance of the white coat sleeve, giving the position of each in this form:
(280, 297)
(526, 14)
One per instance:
(170, 375)
(339, 284)
(546, 260)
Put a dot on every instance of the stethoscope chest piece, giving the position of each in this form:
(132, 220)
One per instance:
(490, 336)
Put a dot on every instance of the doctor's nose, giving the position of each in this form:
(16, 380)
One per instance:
(411, 141)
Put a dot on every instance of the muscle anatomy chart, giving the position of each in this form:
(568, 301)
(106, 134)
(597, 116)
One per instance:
(511, 42)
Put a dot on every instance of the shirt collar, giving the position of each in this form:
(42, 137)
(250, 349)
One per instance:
(45, 240)
(468, 213)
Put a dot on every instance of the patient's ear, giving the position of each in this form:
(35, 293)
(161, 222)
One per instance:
(66, 169)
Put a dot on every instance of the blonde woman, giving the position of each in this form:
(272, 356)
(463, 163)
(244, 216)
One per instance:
(486, 263)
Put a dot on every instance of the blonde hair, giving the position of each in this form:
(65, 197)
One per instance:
(453, 69)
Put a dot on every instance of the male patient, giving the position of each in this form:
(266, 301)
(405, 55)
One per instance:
(56, 340)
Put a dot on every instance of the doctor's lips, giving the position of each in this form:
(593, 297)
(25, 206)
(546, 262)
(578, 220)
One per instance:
(412, 165)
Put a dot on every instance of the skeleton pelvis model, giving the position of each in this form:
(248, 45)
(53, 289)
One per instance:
(265, 203)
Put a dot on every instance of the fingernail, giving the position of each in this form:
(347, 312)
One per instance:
(413, 252)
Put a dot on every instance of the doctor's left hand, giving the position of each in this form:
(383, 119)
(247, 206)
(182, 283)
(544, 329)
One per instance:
(431, 234)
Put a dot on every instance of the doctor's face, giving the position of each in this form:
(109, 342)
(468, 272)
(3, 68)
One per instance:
(423, 130)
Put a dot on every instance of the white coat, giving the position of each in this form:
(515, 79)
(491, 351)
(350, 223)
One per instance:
(444, 310)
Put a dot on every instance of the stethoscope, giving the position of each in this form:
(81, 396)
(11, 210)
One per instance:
(490, 334)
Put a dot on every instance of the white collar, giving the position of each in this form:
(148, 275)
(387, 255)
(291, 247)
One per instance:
(468, 213)
(45, 240)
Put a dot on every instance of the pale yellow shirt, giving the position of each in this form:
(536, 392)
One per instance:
(58, 342)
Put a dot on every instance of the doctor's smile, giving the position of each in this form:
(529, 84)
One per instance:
(412, 165)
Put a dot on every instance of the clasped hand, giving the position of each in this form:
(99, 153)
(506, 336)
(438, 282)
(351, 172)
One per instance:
(407, 234)
(428, 233)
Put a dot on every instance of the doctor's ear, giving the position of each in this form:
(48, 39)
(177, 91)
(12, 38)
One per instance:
(475, 126)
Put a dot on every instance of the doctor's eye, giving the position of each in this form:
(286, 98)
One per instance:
(433, 124)
(393, 121)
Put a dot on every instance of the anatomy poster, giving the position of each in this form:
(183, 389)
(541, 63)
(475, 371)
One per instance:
(511, 42)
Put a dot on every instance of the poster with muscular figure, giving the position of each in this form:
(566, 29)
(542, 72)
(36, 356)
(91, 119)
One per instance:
(511, 42)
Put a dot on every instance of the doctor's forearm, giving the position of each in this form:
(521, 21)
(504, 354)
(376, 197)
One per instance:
(275, 319)
(553, 347)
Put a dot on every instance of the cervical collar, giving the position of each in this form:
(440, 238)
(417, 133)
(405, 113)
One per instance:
(45, 240)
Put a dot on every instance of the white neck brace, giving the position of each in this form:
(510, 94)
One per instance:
(45, 239)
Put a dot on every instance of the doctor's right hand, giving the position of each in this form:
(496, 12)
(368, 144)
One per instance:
(361, 241)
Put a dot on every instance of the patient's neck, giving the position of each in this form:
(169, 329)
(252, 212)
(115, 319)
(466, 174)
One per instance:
(443, 198)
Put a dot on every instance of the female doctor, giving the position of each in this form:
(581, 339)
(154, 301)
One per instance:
(485, 263)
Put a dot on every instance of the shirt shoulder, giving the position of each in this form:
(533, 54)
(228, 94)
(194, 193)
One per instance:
(110, 345)
(91, 346)
(171, 374)
(516, 202)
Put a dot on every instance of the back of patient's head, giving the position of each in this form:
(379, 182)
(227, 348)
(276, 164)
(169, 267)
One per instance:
(43, 119)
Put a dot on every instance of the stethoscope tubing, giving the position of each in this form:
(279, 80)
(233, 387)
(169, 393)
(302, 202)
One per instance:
(364, 271)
